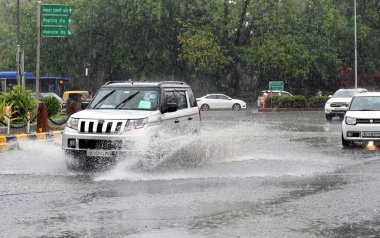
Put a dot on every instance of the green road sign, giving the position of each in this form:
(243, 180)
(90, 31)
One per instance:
(48, 9)
(55, 21)
(276, 85)
(55, 32)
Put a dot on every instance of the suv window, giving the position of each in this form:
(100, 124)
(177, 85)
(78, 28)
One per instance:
(176, 96)
(192, 99)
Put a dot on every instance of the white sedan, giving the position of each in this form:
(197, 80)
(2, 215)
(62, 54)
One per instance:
(361, 122)
(220, 101)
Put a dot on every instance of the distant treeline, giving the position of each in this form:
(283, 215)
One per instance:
(230, 46)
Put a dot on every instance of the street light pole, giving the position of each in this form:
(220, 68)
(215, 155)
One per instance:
(356, 48)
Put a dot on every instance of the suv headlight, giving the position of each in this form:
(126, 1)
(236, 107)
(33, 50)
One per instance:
(135, 124)
(72, 123)
(350, 121)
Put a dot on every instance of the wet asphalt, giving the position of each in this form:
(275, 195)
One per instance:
(248, 174)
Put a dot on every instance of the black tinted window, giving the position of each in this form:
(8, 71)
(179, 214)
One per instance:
(178, 97)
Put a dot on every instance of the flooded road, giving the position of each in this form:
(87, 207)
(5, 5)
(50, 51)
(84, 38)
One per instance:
(249, 174)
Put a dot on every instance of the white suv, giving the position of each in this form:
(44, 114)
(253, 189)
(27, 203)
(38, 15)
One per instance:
(125, 117)
(338, 103)
(362, 120)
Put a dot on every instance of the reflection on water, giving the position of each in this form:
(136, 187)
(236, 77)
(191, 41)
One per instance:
(371, 146)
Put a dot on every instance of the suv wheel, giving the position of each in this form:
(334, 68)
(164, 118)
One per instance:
(345, 143)
(328, 117)
(236, 107)
(205, 107)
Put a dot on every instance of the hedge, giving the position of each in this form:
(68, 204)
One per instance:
(297, 101)
(318, 101)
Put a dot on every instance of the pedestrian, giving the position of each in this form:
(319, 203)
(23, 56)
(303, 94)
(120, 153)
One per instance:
(319, 93)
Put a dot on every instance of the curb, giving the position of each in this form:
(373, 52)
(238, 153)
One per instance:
(12, 141)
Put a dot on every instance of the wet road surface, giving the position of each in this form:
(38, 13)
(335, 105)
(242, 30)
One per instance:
(248, 175)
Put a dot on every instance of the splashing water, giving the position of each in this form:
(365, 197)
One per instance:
(240, 149)
(226, 150)
(34, 157)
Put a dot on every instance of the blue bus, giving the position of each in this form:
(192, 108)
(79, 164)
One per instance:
(47, 84)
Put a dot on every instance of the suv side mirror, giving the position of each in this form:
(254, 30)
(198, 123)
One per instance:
(169, 107)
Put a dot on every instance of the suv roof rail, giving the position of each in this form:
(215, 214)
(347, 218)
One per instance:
(159, 83)
(129, 81)
(171, 82)
(109, 82)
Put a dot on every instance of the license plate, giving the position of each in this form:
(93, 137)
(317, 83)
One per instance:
(370, 134)
(100, 153)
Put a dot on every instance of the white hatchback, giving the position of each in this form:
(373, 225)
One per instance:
(220, 101)
(362, 120)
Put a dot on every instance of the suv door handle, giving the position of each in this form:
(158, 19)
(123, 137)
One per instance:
(176, 121)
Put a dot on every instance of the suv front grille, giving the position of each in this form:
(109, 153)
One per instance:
(101, 126)
(339, 104)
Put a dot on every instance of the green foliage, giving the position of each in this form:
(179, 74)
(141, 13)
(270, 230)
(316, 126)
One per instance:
(52, 104)
(200, 49)
(21, 101)
(297, 101)
(318, 101)
(236, 43)
(3, 107)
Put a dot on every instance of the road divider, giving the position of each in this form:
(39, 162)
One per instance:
(11, 142)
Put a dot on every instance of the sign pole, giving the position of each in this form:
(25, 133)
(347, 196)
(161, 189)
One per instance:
(38, 49)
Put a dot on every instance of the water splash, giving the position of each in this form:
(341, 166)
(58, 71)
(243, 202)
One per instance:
(34, 157)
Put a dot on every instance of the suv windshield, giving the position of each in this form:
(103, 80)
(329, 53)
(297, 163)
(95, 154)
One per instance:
(365, 104)
(132, 98)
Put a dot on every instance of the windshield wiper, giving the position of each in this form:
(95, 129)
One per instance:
(122, 103)
(366, 110)
(103, 99)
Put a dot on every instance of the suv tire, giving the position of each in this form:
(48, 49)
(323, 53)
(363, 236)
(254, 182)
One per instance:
(329, 117)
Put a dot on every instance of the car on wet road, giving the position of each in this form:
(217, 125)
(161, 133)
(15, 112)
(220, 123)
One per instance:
(220, 101)
(128, 118)
(339, 102)
(362, 120)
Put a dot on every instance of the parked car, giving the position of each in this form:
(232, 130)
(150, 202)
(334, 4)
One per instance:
(273, 93)
(338, 103)
(44, 95)
(220, 101)
(129, 118)
(362, 120)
